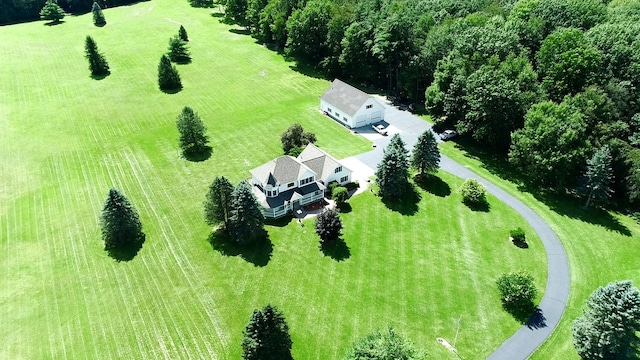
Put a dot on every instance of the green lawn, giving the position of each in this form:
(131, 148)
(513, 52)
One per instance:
(65, 139)
(601, 246)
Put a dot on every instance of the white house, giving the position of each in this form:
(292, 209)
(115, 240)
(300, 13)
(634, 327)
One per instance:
(285, 184)
(350, 106)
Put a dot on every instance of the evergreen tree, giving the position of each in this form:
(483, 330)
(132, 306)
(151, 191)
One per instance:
(98, 16)
(52, 11)
(193, 139)
(246, 223)
(607, 329)
(178, 51)
(599, 176)
(266, 336)
(397, 143)
(120, 222)
(182, 34)
(217, 203)
(168, 76)
(328, 225)
(426, 155)
(97, 63)
(393, 171)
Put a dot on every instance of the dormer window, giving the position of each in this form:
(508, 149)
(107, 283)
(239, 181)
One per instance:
(369, 106)
(338, 169)
(272, 193)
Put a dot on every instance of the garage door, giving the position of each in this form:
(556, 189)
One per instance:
(361, 120)
(376, 116)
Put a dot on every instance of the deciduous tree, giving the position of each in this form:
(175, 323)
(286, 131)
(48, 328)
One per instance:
(193, 137)
(383, 345)
(307, 31)
(97, 63)
(266, 336)
(246, 223)
(425, 155)
(473, 192)
(52, 11)
(217, 203)
(295, 136)
(98, 16)
(609, 322)
(120, 222)
(517, 291)
(328, 226)
(168, 76)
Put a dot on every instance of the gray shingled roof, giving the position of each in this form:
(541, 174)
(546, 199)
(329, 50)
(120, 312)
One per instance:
(286, 196)
(319, 161)
(283, 170)
(344, 97)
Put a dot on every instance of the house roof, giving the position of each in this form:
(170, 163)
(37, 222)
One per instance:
(319, 161)
(283, 170)
(345, 97)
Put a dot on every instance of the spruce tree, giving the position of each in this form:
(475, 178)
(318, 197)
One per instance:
(182, 33)
(98, 16)
(599, 176)
(217, 203)
(328, 226)
(246, 223)
(392, 173)
(97, 63)
(193, 140)
(266, 336)
(52, 12)
(178, 51)
(120, 222)
(425, 155)
(397, 143)
(168, 76)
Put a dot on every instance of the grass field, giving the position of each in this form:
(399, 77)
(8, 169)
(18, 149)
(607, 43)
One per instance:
(601, 246)
(65, 139)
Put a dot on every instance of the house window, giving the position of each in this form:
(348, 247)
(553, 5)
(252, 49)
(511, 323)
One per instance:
(369, 106)
(344, 179)
(290, 185)
(306, 181)
(337, 115)
(329, 110)
(338, 169)
(345, 118)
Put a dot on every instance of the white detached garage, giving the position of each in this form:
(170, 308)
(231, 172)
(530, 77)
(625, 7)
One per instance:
(350, 106)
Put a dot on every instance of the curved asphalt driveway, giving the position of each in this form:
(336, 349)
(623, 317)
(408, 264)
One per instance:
(530, 336)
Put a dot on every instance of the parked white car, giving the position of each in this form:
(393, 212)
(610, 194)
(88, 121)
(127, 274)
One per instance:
(448, 134)
(379, 129)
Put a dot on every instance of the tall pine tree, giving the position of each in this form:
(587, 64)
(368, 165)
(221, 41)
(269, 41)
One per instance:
(98, 16)
(266, 336)
(168, 76)
(52, 12)
(193, 140)
(97, 63)
(246, 223)
(182, 33)
(392, 173)
(178, 51)
(217, 204)
(599, 176)
(120, 222)
(425, 155)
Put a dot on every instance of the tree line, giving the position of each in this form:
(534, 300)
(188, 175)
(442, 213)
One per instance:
(16, 11)
(546, 83)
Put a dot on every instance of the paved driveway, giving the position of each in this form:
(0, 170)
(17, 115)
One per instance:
(530, 336)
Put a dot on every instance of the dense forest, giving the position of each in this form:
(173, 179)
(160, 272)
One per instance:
(15, 11)
(550, 84)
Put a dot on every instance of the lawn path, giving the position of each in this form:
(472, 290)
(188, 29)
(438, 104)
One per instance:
(530, 336)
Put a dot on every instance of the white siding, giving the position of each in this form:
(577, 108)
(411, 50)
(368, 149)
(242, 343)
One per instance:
(337, 176)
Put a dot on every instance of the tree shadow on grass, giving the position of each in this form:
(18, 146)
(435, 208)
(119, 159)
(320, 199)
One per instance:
(258, 253)
(528, 314)
(240, 31)
(344, 208)
(172, 90)
(279, 222)
(101, 76)
(198, 156)
(127, 252)
(309, 70)
(338, 250)
(433, 184)
(478, 206)
(217, 14)
(405, 205)
(54, 23)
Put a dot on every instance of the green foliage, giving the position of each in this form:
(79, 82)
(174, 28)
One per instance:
(217, 203)
(307, 30)
(266, 336)
(235, 11)
(246, 223)
(383, 345)
(517, 291)
(182, 34)
(581, 14)
(392, 173)
(473, 192)
(98, 16)
(328, 225)
(340, 194)
(632, 160)
(168, 76)
(178, 51)
(518, 235)
(201, 3)
(52, 12)
(295, 136)
(425, 155)
(97, 63)
(120, 222)
(598, 176)
(193, 138)
(607, 329)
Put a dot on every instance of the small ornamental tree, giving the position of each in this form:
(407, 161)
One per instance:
(473, 192)
(97, 63)
(609, 323)
(392, 174)
(168, 76)
(182, 34)
(517, 291)
(52, 12)
(266, 336)
(599, 176)
(383, 345)
(246, 223)
(425, 155)
(295, 136)
(193, 140)
(98, 16)
(120, 222)
(217, 203)
(178, 51)
(328, 226)
(340, 194)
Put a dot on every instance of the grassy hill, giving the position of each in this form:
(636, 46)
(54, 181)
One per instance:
(65, 139)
